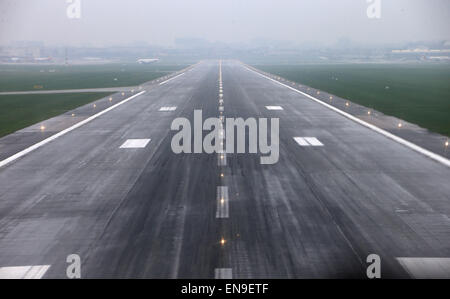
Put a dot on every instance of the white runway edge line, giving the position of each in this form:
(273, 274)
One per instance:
(63, 132)
(223, 273)
(171, 79)
(23, 272)
(402, 141)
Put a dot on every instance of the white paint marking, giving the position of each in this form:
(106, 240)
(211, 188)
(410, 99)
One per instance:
(171, 79)
(426, 267)
(301, 141)
(223, 273)
(222, 202)
(63, 132)
(402, 141)
(221, 158)
(221, 108)
(313, 141)
(170, 108)
(23, 272)
(274, 108)
(135, 143)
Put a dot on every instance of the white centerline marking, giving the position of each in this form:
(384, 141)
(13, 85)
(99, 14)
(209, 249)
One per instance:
(274, 108)
(135, 143)
(402, 141)
(222, 202)
(171, 79)
(63, 132)
(223, 273)
(221, 158)
(426, 267)
(23, 272)
(170, 108)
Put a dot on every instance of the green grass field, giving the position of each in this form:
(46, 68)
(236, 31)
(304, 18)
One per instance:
(47, 77)
(20, 111)
(416, 93)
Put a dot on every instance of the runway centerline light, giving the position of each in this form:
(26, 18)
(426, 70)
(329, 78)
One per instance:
(400, 125)
(446, 143)
(222, 241)
(42, 128)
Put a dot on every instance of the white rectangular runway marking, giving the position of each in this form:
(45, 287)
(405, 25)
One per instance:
(223, 273)
(301, 141)
(274, 108)
(64, 132)
(426, 267)
(308, 141)
(23, 272)
(391, 136)
(313, 141)
(221, 108)
(135, 143)
(222, 202)
(170, 108)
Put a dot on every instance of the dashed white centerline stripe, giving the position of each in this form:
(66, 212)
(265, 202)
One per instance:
(223, 273)
(426, 267)
(222, 202)
(23, 272)
(63, 132)
(171, 79)
(135, 143)
(397, 139)
(222, 159)
(274, 108)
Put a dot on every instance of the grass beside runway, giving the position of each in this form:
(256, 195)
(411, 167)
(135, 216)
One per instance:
(417, 93)
(48, 77)
(20, 111)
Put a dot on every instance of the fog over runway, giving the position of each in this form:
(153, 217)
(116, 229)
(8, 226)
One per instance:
(113, 192)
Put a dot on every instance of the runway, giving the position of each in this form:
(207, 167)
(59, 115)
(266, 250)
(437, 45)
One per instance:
(113, 192)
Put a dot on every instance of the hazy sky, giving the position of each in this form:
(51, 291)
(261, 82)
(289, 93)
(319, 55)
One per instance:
(160, 22)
